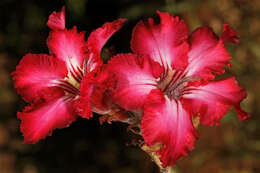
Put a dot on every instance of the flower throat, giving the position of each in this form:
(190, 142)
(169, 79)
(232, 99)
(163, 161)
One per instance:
(175, 84)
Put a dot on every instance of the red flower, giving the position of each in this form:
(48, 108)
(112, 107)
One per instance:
(51, 83)
(169, 77)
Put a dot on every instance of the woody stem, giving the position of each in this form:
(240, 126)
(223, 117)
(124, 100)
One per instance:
(170, 169)
(156, 159)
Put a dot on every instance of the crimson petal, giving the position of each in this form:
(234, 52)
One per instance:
(57, 20)
(67, 45)
(164, 43)
(94, 93)
(212, 101)
(136, 76)
(86, 89)
(165, 121)
(98, 38)
(229, 34)
(35, 73)
(207, 54)
(39, 120)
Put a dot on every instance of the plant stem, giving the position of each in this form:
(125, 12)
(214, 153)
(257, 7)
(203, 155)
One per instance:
(156, 159)
(170, 169)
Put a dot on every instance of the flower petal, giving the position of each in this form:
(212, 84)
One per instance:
(57, 20)
(165, 121)
(207, 54)
(38, 121)
(229, 34)
(101, 100)
(136, 77)
(212, 101)
(35, 74)
(86, 90)
(93, 93)
(98, 38)
(164, 43)
(67, 45)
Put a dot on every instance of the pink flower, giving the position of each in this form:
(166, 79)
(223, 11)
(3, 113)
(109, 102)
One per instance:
(51, 83)
(169, 77)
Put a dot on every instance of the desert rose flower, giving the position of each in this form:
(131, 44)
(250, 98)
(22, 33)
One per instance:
(51, 83)
(169, 78)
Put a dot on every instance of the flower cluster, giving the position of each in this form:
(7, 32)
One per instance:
(159, 88)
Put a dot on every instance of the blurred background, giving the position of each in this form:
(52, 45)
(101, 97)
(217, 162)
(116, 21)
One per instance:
(87, 147)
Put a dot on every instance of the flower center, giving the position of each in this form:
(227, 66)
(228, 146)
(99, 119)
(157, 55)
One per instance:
(175, 84)
(71, 83)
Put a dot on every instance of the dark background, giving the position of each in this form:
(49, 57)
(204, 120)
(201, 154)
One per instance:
(87, 147)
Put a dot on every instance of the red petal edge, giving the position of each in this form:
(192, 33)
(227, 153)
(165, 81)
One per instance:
(101, 99)
(83, 106)
(94, 94)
